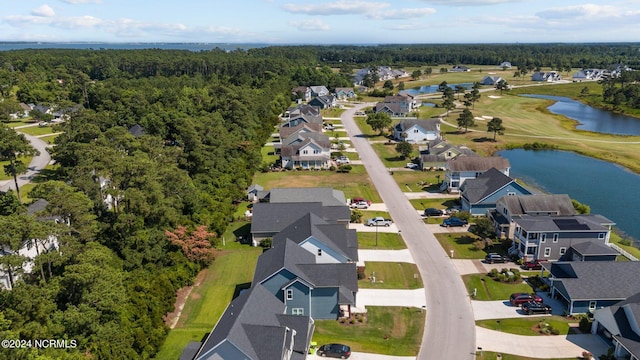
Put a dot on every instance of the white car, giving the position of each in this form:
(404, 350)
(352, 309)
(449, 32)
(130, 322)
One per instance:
(342, 160)
(411, 166)
(360, 205)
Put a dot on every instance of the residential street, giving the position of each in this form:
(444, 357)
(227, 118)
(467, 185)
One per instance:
(37, 163)
(450, 328)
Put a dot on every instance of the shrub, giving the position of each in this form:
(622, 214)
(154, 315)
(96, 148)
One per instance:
(479, 245)
(344, 168)
(493, 273)
(585, 324)
(361, 273)
(266, 243)
(625, 242)
(332, 168)
(555, 331)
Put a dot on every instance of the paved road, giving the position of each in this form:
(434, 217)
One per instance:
(450, 328)
(37, 163)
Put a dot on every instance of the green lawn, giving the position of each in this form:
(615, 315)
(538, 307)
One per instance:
(368, 132)
(462, 245)
(418, 181)
(25, 159)
(37, 130)
(616, 239)
(525, 325)
(387, 330)
(354, 184)
(268, 156)
(438, 203)
(391, 275)
(233, 269)
(390, 157)
(386, 241)
(488, 290)
(490, 355)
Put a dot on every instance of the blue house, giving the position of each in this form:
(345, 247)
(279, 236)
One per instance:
(480, 195)
(620, 324)
(589, 285)
(322, 291)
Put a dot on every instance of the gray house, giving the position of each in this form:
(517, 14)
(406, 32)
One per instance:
(329, 243)
(462, 168)
(549, 237)
(620, 324)
(322, 291)
(324, 102)
(590, 251)
(255, 327)
(589, 285)
(481, 194)
(491, 80)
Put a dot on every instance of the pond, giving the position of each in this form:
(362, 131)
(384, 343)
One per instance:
(590, 118)
(430, 89)
(609, 189)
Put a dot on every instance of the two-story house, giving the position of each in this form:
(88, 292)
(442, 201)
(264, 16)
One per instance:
(550, 237)
(306, 150)
(396, 105)
(417, 130)
(301, 92)
(481, 194)
(437, 152)
(345, 93)
(462, 168)
(324, 102)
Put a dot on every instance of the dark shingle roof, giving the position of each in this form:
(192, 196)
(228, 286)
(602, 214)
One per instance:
(326, 195)
(598, 279)
(137, 130)
(273, 217)
(575, 223)
(477, 163)
(37, 206)
(427, 125)
(559, 204)
(284, 254)
(287, 131)
(593, 248)
(343, 276)
(492, 180)
(617, 319)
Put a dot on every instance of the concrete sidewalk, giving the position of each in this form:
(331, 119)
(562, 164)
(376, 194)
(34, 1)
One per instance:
(384, 256)
(387, 297)
(543, 347)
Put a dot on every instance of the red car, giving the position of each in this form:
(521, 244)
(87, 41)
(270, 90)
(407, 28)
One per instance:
(521, 298)
(532, 265)
(356, 200)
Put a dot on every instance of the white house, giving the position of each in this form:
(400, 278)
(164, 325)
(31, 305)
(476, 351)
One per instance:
(417, 130)
(462, 168)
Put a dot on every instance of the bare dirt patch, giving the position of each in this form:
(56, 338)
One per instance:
(171, 319)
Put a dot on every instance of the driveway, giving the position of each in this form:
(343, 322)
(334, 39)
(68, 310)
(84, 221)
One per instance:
(387, 297)
(37, 163)
(367, 356)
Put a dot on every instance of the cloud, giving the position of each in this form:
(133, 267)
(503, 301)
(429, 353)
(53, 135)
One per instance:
(470, 2)
(584, 11)
(310, 25)
(402, 14)
(340, 7)
(44, 10)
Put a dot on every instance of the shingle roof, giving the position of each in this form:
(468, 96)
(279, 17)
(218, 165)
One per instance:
(560, 204)
(284, 254)
(273, 217)
(137, 130)
(326, 195)
(329, 275)
(598, 279)
(390, 107)
(573, 224)
(426, 125)
(287, 131)
(254, 323)
(37, 206)
(593, 248)
(477, 163)
(492, 180)
(617, 320)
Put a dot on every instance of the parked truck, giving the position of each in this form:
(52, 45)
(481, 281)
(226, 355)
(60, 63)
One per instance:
(379, 221)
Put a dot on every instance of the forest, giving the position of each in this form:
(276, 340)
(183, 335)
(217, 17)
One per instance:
(141, 215)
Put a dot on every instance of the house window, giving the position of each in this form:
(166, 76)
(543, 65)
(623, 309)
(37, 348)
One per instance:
(305, 151)
(563, 250)
(547, 252)
(555, 238)
(592, 305)
(601, 236)
(543, 238)
(297, 311)
(319, 252)
(316, 151)
(289, 293)
(415, 131)
(511, 193)
(504, 211)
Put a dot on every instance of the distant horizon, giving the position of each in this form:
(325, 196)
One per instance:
(322, 22)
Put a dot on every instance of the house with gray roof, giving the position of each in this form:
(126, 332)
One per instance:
(306, 150)
(586, 286)
(436, 153)
(396, 105)
(491, 80)
(345, 93)
(324, 102)
(297, 119)
(137, 130)
(329, 243)
(479, 195)
(534, 205)
(285, 132)
(326, 195)
(590, 251)
(549, 76)
(620, 324)
(319, 290)
(319, 90)
(301, 92)
(301, 109)
(460, 68)
(549, 237)
(462, 168)
(415, 130)
(256, 326)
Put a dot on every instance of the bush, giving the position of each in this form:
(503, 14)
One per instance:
(479, 245)
(344, 168)
(266, 243)
(625, 242)
(361, 273)
(585, 324)
(493, 273)
(332, 168)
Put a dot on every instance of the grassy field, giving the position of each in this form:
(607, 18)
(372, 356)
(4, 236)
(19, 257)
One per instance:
(25, 159)
(391, 275)
(489, 290)
(355, 183)
(418, 181)
(387, 330)
(438, 203)
(462, 245)
(232, 270)
(390, 157)
(616, 239)
(524, 326)
(386, 241)
(37, 130)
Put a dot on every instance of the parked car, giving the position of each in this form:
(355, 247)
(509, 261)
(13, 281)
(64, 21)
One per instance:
(532, 265)
(521, 298)
(451, 210)
(495, 258)
(329, 127)
(411, 165)
(339, 351)
(360, 205)
(533, 307)
(360, 113)
(433, 212)
(342, 160)
(454, 221)
(359, 199)
(379, 221)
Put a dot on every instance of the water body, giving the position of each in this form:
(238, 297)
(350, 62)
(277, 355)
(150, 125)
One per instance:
(609, 189)
(590, 118)
(430, 89)
(4, 46)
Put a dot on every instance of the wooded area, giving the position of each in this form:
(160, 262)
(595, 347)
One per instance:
(140, 208)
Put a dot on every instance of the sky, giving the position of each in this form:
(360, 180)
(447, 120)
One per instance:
(321, 22)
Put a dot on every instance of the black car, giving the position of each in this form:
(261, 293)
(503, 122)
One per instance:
(495, 258)
(433, 212)
(339, 351)
(533, 307)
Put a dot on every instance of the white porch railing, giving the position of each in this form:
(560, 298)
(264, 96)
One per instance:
(623, 252)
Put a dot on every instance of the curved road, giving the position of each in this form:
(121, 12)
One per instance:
(37, 163)
(450, 326)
